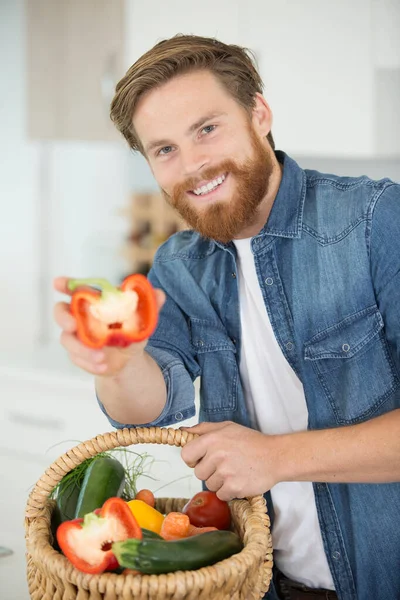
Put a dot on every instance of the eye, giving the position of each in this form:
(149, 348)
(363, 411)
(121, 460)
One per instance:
(164, 150)
(208, 128)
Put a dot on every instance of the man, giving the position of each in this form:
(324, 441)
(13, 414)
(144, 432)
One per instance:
(285, 300)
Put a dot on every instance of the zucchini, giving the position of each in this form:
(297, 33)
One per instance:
(104, 478)
(161, 556)
(150, 535)
(67, 499)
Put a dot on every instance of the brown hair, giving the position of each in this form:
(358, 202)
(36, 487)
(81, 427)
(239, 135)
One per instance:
(234, 67)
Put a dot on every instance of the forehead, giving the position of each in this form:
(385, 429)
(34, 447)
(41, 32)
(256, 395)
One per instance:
(179, 102)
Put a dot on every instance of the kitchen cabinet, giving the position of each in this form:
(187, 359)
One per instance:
(149, 22)
(386, 58)
(74, 59)
(18, 475)
(325, 65)
(315, 60)
(43, 413)
(48, 406)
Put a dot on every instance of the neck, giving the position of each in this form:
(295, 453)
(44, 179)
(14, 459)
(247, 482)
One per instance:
(266, 203)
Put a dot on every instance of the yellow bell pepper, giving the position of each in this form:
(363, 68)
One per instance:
(147, 516)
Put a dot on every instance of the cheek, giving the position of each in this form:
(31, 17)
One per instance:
(165, 176)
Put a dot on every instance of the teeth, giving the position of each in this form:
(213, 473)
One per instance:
(204, 189)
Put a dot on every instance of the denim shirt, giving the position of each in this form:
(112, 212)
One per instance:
(328, 264)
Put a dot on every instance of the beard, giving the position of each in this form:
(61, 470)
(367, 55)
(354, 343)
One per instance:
(224, 220)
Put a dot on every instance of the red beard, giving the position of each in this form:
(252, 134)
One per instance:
(224, 220)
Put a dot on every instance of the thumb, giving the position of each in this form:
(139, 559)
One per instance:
(160, 298)
(205, 427)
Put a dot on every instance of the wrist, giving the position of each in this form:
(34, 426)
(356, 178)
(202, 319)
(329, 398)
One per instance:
(289, 456)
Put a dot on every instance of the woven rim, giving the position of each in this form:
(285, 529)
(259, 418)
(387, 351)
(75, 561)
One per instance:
(249, 516)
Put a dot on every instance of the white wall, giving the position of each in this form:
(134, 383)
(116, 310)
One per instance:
(315, 59)
(60, 204)
(325, 67)
(18, 185)
(321, 62)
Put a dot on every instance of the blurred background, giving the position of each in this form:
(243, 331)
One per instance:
(77, 202)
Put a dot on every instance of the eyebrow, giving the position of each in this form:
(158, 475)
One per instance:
(192, 128)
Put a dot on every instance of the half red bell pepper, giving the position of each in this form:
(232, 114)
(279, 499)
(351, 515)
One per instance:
(87, 542)
(113, 316)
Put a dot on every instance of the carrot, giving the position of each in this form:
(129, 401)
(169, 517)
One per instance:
(130, 572)
(146, 496)
(193, 530)
(175, 526)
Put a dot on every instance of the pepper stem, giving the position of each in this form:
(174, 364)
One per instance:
(103, 284)
(91, 519)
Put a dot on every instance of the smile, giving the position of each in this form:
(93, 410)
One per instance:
(209, 187)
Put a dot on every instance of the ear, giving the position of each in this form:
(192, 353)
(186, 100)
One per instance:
(261, 116)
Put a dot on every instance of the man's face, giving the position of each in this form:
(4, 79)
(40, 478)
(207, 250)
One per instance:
(205, 154)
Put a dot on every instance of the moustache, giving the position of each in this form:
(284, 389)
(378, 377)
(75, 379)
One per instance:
(191, 183)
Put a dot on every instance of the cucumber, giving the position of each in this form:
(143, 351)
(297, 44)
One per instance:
(104, 478)
(150, 535)
(67, 499)
(161, 556)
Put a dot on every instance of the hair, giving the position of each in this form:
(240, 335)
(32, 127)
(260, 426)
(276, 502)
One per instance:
(234, 66)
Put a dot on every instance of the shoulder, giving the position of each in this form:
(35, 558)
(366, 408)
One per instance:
(336, 203)
(385, 211)
(187, 244)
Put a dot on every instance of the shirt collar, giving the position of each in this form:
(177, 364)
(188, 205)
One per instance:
(286, 216)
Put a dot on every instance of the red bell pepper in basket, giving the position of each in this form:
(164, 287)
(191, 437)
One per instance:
(87, 542)
(113, 316)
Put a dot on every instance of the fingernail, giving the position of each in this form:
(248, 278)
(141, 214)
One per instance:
(101, 368)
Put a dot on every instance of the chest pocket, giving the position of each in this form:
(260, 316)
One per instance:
(216, 355)
(353, 365)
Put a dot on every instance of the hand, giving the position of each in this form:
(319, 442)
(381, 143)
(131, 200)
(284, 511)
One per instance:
(107, 361)
(234, 461)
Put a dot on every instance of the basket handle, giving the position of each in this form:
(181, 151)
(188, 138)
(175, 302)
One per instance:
(107, 441)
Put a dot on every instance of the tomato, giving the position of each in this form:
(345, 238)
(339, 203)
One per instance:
(146, 496)
(205, 509)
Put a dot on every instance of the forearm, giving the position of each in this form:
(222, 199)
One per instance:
(137, 395)
(364, 453)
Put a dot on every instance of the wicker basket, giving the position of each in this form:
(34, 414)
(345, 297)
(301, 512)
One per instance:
(244, 576)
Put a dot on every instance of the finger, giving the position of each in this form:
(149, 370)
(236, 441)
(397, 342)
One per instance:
(160, 297)
(205, 427)
(74, 347)
(215, 482)
(64, 318)
(60, 284)
(204, 469)
(224, 492)
(193, 451)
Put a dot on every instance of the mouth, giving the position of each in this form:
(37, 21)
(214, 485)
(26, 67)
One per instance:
(210, 188)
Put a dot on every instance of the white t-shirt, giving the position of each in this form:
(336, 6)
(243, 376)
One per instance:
(276, 404)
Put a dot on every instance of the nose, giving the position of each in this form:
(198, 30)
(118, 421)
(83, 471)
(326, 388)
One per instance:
(193, 160)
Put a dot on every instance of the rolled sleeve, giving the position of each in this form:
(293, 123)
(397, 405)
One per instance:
(180, 404)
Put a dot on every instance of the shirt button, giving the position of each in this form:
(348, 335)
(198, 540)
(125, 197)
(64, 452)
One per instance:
(201, 343)
(345, 347)
(178, 416)
(269, 281)
(234, 275)
(336, 555)
(289, 346)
